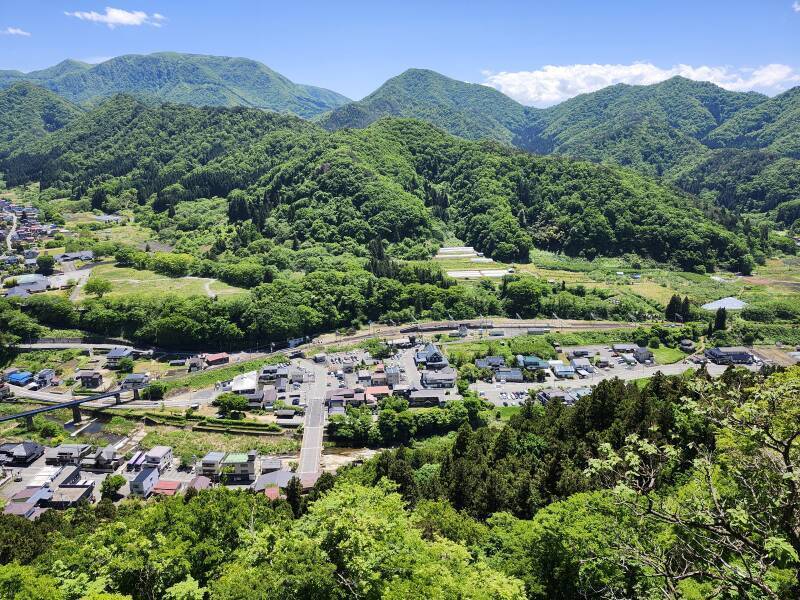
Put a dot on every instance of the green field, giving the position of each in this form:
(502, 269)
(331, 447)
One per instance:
(125, 281)
(193, 445)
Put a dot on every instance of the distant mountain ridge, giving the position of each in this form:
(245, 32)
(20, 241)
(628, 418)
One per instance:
(734, 148)
(193, 79)
(679, 129)
(468, 110)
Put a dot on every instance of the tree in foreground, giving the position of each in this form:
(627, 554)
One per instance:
(732, 528)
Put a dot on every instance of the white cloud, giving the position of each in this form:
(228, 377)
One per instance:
(796, 7)
(15, 31)
(115, 17)
(554, 83)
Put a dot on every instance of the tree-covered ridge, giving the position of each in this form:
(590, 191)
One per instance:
(403, 181)
(28, 112)
(741, 179)
(665, 129)
(773, 125)
(183, 78)
(465, 109)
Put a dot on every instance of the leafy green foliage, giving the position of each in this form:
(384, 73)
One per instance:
(28, 112)
(185, 78)
(468, 110)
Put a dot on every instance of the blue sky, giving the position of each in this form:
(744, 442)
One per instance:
(537, 52)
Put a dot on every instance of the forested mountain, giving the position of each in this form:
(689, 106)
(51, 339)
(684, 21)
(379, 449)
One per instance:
(400, 180)
(772, 125)
(28, 112)
(671, 129)
(185, 78)
(756, 180)
(651, 128)
(465, 109)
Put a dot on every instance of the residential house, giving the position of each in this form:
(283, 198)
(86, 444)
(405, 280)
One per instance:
(84, 255)
(509, 375)
(220, 358)
(142, 485)
(240, 467)
(199, 483)
(379, 378)
(255, 400)
(166, 488)
(20, 454)
(20, 378)
(66, 454)
(135, 381)
(211, 465)
(115, 355)
(431, 397)
(270, 373)
(392, 375)
(89, 379)
(102, 460)
(491, 362)
(532, 363)
(45, 377)
(729, 355)
(431, 357)
(376, 392)
(552, 394)
(443, 378)
(158, 457)
(363, 377)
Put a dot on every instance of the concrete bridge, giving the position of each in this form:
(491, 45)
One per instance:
(73, 404)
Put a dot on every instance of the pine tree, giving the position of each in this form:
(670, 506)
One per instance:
(721, 319)
(673, 308)
(294, 496)
(686, 309)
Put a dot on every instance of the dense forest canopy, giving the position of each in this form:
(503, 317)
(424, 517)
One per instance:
(397, 180)
(182, 78)
(671, 130)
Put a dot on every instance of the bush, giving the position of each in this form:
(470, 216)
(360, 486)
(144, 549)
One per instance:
(154, 391)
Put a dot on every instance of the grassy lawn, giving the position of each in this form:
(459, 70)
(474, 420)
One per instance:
(125, 281)
(505, 412)
(192, 445)
(667, 356)
(129, 233)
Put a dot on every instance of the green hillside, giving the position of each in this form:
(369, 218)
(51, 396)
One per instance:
(184, 78)
(650, 128)
(400, 180)
(773, 125)
(468, 110)
(28, 112)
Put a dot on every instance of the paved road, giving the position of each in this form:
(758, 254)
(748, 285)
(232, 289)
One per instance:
(11, 232)
(314, 426)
